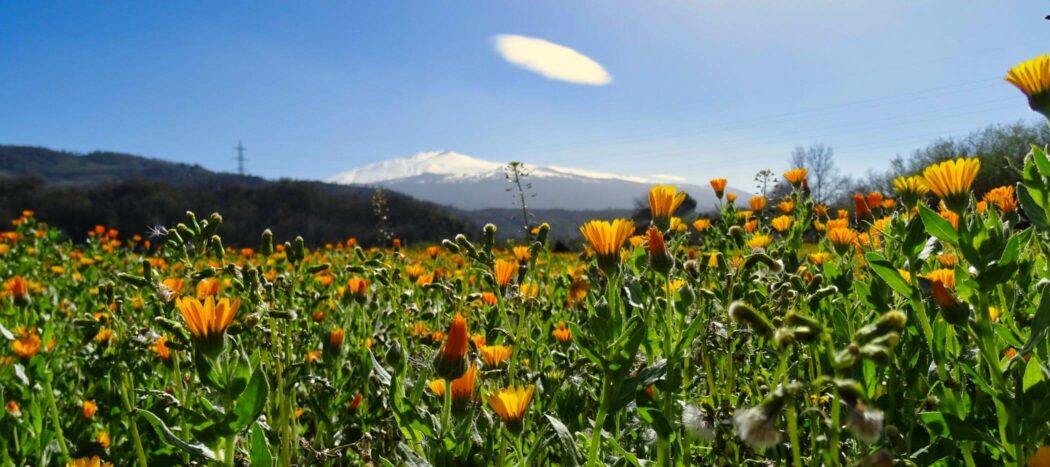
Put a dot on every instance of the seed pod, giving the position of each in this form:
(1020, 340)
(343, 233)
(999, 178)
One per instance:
(137, 281)
(147, 270)
(213, 224)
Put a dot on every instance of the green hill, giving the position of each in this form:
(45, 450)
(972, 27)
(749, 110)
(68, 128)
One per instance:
(132, 193)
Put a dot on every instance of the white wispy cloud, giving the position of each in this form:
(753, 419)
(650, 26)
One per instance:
(551, 60)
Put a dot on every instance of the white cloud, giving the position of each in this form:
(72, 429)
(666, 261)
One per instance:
(551, 60)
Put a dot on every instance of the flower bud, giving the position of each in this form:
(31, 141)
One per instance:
(746, 315)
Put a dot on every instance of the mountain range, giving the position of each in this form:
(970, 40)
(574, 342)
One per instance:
(469, 183)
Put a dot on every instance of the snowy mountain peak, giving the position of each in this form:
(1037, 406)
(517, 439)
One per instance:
(447, 163)
(453, 166)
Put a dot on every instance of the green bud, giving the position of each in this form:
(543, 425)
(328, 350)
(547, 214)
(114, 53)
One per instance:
(744, 314)
(266, 243)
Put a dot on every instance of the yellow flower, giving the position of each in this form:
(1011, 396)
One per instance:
(796, 176)
(606, 238)
(207, 321)
(103, 439)
(819, 257)
(664, 200)
(511, 403)
(842, 237)
(993, 313)
(493, 355)
(759, 241)
(92, 461)
(910, 188)
(1041, 457)
(951, 181)
(781, 223)
(1033, 78)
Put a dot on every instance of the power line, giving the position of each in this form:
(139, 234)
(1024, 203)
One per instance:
(240, 158)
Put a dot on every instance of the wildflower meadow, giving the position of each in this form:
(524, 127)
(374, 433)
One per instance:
(910, 329)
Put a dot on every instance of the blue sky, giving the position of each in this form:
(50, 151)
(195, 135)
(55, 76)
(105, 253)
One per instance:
(699, 88)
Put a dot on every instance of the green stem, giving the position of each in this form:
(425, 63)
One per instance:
(599, 421)
(446, 409)
(127, 399)
(49, 393)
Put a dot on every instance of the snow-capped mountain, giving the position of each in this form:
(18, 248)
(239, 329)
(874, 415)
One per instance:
(465, 182)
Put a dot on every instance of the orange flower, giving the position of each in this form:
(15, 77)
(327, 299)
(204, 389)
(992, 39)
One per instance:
(89, 409)
(796, 176)
(1002, 198)
(842, 237)
(562, 333)
(493, 355)
(160, 348)
(207, 321)
(462, 387)
(13, 408)
(357, 286)
(208, 288)
(505, 272)
(731, 197)
(27, 345)
(103, 439)
(17, 287)
(861, 207)
(312, 356)
(522, 254)
(786, 206)
(356, 402)
(336, 337)
(489, 298)
(719, 185)
(577, 291)
(451, 362)
(757, 203)
(702, 224)
(781, 223)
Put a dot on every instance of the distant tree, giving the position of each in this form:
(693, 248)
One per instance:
(819, 160)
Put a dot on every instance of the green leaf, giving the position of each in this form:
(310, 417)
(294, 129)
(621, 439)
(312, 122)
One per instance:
(380, 373)
(260, 450)
(938, 226)
(250, 403)
(954, 428)
(195, 448)
(1035, 213)
(569, 454)
(1033, 373)
(1042, 163)
(888, 273)
(1040, 323)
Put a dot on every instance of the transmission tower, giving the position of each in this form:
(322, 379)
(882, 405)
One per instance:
(240, 158)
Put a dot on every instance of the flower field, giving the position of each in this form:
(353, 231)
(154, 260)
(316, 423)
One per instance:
(910, 329)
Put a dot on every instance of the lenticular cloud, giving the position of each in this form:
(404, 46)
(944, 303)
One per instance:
(551, 60)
